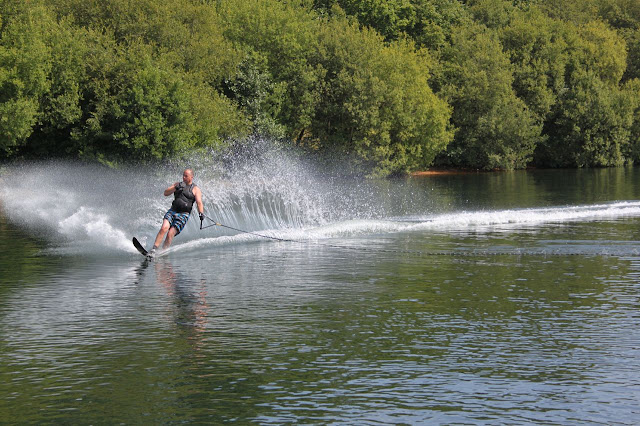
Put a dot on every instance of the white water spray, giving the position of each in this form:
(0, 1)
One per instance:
(89, 209)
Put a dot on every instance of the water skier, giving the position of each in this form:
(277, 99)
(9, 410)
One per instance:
(185, 193)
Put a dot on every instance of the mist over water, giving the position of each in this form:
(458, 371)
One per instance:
(90, 209)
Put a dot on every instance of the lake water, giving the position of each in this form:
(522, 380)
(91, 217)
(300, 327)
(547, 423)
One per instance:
(473, 298)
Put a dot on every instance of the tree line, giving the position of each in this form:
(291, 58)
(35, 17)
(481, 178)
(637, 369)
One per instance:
(387, 86)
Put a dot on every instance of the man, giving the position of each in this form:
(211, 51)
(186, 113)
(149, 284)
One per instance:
(185, 193)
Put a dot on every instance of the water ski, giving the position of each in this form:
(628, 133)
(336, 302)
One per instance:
(141, 249)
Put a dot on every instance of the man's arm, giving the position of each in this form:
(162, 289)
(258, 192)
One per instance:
(198, 194)
(170, 190)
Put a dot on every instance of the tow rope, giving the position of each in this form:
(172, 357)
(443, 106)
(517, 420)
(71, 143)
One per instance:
(215, 223)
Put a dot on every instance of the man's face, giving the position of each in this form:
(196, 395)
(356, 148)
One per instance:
(187, 177)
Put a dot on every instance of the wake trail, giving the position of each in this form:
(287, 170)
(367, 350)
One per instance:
(486, 221)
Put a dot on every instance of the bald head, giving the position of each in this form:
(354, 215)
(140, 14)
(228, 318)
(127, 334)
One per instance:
(187, 176)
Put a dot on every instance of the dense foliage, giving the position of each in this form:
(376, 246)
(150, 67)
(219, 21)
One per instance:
(387, 86)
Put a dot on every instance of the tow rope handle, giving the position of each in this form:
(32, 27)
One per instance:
(209, 226)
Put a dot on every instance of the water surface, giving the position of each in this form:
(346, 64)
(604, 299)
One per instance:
(478, 298)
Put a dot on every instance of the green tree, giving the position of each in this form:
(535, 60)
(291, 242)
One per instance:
(114, 81)
(189, 34)
(337, 88)
(624, 16)
(495, 129)
(494, 14)
(276, 39)
(259, 95)
(591, 127)
(590, 124)
(376, 105)
(577, 12)
(138, 108)
(25, 63)
(621, 15)
(391, 18)
(427, 22)
(60, 108)
(539, 55)
(632, 37)
(632, 97)
(597, 47)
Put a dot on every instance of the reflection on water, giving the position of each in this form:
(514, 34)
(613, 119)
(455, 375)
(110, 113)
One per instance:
(276, 332)
(189, 301)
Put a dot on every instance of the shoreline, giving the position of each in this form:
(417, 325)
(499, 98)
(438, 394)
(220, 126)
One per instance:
(445, 172)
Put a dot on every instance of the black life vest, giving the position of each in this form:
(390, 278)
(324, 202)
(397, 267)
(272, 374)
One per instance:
(184, 198)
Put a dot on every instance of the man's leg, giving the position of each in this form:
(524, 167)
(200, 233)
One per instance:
(172, 233)
(163, 230)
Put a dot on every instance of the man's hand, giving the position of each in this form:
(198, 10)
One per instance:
(179, 186)
(201, 218)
